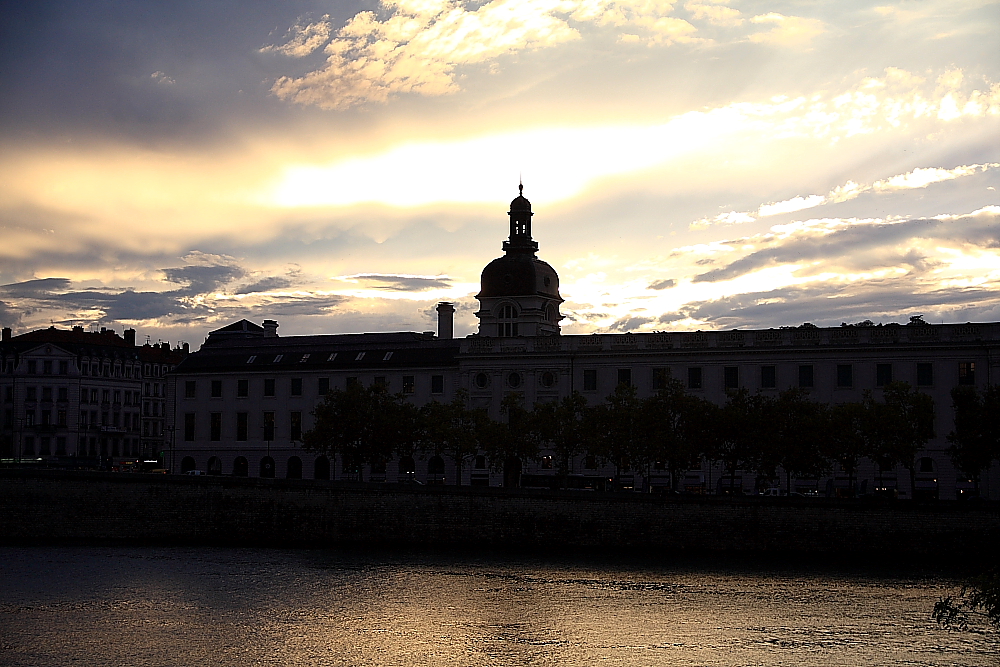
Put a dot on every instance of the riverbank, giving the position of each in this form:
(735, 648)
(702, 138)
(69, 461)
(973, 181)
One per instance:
(46, 507)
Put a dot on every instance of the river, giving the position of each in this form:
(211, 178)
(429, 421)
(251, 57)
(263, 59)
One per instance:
(132, 606)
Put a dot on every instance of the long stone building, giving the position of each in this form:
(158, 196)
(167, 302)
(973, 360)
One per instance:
(241, 403)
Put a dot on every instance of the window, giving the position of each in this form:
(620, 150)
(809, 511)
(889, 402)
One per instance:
(189, 427)
(387, 357)
(216, 388)
(437, 384)
(883, 374)
(352, 382)
(269, 386)
(190, 389)
(967, 372)
(548, 379)
(47, 394)
(295, 422)
(63, 368)
(590, 379)
(323, 386)
(361, 355)
(660, 378)
(333, 355)
(242, 388)
(546, 462)
(806, 376)
(514, 380)
(105, 395)
(29, 418)
(215, 426)
(277, 358)
(506, 326)
(304, 359)
(47, 367)
(61, 417)
(694, 378)
(32, 394)
(768, 377)
(8, 394)
(925, 375)
(296, 386)
(242, 427)
(625, 376)
(269, 426)
(482, 380)
(253, 358)
(408, 384)
(32, 367)
(731, 377)
(84, 369)
(118, 397)
(380, 381)
(61, 446)
(845, 375)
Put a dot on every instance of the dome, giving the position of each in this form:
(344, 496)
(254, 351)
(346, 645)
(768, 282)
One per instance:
(518, 275)
(519, 203)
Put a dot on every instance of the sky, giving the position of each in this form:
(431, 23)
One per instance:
(343, 166)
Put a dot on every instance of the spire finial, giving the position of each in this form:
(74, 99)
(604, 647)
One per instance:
(520, 189)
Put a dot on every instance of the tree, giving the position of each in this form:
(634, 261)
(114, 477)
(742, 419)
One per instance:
(741, 430)
(907, 423)
(452, 429)
(980, 597)
(798, 432)
(362, 425)
(561, 425)
(511, 438)
(614, 429)
(974, 440)
(672, 429)
(850, 438)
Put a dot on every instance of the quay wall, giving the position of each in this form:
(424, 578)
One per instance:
(69, 506)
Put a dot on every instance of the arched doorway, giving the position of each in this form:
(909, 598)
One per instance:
(435, 470)
(407, 468)
(294, 469)
(321, 468)
(241, 467)
(512, 472)
(215, 466)
(187, 463)
(267, 467)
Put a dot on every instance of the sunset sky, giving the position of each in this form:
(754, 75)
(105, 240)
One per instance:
(343, 166)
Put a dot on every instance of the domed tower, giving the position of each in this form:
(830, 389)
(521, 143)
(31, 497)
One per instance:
(519, 293)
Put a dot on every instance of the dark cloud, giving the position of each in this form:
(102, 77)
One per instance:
(403, 283)
(629, 323)
(36, 288)
(827, 305)
(863, 246)
(203, 279)
(666, 283)
(265, 285)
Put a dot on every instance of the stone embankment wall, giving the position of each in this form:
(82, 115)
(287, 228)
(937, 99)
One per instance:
(62, 506)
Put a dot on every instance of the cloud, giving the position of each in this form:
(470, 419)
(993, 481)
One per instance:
(203, 279)
(663, 284)
(715, 12)
(787, 30)
(37, 287)
(401, 283)
(265, 285)
(417, 46)
(921, 177)
(162, 79)
(630, 323)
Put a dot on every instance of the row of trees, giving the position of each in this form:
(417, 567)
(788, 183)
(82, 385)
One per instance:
(670, 431)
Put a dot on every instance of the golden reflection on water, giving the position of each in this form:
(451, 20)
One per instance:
(134, 606)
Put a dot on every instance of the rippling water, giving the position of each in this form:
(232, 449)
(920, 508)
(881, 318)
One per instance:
(175, 606)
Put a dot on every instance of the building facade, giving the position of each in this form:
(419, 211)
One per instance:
(241, 403)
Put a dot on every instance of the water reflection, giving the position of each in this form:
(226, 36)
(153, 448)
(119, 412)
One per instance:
(160, 606)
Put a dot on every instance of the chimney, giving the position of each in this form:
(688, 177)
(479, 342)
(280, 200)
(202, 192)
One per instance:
(104, 330)
(186, 348)
(446, 320)
(77, 329)
(270, 329)
(130, 337)
(6, 333)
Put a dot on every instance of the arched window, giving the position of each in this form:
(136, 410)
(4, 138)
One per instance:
(407, 466)
(241, 467)
(435, 470)
(294, 469)
(187, 463)
(267, 467)
(321, 468)
(507, 324)
(550, 313)
(215, 466)
(926, 464)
